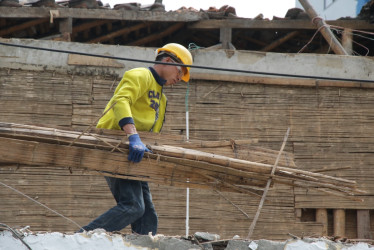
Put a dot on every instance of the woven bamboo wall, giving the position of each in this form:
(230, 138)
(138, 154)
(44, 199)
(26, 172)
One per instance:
(330, 128)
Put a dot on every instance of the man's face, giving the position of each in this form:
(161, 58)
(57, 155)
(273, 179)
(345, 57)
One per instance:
(172, 74)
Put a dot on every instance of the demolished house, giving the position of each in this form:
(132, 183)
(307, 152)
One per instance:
(60, 63)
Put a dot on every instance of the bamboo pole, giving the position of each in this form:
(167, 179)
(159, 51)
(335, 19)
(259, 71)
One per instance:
(242, 164)
(325, 30)
(252, 227)
(41, 146)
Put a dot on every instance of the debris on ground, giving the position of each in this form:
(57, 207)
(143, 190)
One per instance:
(100, 239)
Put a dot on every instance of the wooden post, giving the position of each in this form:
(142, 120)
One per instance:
(363, 224)
(326, 32)
(225, 36)
(347, 40)
(66, 27)
(321, 217)
(339, 222)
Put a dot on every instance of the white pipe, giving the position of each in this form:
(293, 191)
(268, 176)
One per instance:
(188, 189)
(187, 127)
(187, 211)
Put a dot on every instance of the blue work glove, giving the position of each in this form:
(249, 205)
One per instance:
(137, 148)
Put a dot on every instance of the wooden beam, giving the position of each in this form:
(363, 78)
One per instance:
(254, 41)
(89, 25)
(117, 33)
(321, 217)
(22, 26)
(156, 36)
(324, 29)
(77, 13)
(276, 24)
(281, 40)
(339, 222)
(282, 81)
(363, 224)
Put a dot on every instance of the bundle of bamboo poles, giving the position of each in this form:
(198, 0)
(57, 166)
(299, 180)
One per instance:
(177, 164)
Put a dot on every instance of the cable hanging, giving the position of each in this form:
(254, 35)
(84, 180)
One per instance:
(186, 65)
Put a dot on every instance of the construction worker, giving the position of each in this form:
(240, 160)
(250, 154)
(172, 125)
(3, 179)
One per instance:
(140, 106)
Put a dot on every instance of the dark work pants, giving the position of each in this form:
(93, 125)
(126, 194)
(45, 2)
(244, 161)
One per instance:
(134, 206)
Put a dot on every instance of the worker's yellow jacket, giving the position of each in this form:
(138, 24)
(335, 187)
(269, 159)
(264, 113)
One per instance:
(139, 100)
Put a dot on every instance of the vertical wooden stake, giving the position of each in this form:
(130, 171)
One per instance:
(66, 27)
(321, 217)
(363, 224)
(225, 38)
(339, 222)
(253, 224)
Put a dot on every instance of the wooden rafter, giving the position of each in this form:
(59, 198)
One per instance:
(117, 33)
(89, 25)
(280, 41)
(156, 36)
(22, 26)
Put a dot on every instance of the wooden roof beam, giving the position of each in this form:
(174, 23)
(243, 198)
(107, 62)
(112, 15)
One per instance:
(22, 26)
(117, 33)
(157, 36)
(280, 41)
(89, 25)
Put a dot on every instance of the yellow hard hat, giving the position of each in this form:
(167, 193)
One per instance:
(181, 53)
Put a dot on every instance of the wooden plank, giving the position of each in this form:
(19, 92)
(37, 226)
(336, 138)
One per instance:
(77, 13)
(305, 82)
(74, 59)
